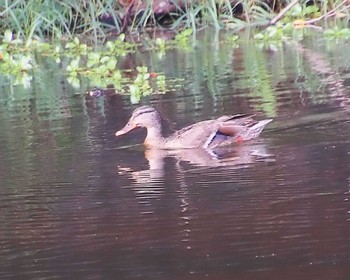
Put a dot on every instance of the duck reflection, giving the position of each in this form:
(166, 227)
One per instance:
(174, 172)
(238, 156)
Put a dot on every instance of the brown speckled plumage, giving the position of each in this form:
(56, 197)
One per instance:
(208, 134)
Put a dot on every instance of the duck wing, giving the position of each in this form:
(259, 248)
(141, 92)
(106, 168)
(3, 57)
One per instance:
(238, 128)
(193, 136)
(203, 133)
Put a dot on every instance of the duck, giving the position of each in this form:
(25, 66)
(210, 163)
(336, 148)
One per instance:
(207, 134)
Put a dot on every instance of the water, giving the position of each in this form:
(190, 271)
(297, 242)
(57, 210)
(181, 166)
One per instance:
(77, 203)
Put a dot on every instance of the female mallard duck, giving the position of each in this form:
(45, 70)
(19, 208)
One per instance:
(208, 134)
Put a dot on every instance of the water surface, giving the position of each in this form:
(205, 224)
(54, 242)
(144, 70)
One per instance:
(77, 203)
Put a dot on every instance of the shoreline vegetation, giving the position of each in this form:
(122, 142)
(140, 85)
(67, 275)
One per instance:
(90, 38)
(50, 19)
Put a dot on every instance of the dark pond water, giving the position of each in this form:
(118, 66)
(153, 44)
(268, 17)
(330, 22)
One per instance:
(77, 203)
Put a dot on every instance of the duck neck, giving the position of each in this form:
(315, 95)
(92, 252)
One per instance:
(154, 136)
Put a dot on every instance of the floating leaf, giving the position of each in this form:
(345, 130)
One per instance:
(93, 59)
(74, 65)
(111, 64)
(117, 75)
(105, 59)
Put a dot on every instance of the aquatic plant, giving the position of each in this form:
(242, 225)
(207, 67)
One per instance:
(160, 81)
(272, 33)
(182, 39)
(8, 40)
(15, 64)
(337, 33)
(74, 47)
(273, 36)
(99, 65)
(140, 84)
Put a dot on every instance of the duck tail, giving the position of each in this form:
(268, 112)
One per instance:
(255, 130)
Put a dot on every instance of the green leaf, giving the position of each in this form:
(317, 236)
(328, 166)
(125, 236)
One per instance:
(91, 63)
(296, 10)
(160, 42)
(25, 63)
(94, 56)
(93, 59)
(74, 65)
(111, 64)
(74, 81)
(309, 10)
(105, 59)
(117, 76)
(142, 69)
(8, 36)
(121, 37)
(76, 41)
(233, 38)
(187, 32)
(70, 45)
(83, 48)
(134, 90)
(110, 45)
(259, 36)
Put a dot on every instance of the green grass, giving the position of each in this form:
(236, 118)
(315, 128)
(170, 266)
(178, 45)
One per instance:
(50, 19)
(65, 19)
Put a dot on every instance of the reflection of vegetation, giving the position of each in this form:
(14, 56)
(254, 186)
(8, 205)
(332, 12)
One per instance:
(273, 34)
(206, 70)
(34, 124)
(218, 71)
(258, 83)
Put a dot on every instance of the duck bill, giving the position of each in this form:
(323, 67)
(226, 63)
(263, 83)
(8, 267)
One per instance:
(128, 127)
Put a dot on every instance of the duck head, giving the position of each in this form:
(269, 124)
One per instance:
(144, 116)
